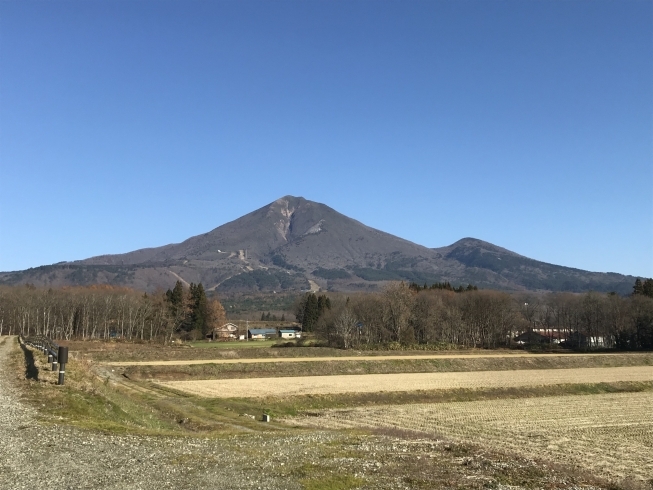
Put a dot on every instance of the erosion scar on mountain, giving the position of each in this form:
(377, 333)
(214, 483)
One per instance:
(293, 244)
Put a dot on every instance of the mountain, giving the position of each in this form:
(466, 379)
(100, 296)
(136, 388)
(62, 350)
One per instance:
(296, 244)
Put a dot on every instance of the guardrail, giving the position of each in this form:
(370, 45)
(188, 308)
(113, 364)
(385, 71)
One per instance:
(57, 354)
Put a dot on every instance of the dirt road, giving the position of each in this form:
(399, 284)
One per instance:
(370, 383)
(188, 362)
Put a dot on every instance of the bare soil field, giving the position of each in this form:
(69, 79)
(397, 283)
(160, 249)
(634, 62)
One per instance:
(407, 357)
(305, 385)
(610, 434)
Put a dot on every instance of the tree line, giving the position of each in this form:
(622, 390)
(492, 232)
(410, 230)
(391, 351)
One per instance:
(400, 313)
(438, 316)
(101, 312)
(309, 308)
(266, 317)
(442, 285)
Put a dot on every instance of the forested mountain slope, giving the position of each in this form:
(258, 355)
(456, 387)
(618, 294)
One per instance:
(293, 243)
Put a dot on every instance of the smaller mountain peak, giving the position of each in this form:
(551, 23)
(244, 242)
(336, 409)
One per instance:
(469, 242)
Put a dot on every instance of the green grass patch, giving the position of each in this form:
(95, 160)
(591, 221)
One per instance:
(318, 477)
(87, 401)
(332, 482)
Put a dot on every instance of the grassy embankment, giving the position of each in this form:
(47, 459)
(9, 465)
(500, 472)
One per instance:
(101, 397)
(109, 402)
(374, 366)
(91, 400)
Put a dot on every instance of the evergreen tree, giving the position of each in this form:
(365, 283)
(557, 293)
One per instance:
(321, 305)
(176, 296)
(262, 317)
(198, 312)
(299, 307)
(178, 306)
(310, 313)
(283, 317)
(647, 288)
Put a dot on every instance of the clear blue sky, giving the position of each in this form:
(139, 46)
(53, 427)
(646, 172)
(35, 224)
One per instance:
(529, 124)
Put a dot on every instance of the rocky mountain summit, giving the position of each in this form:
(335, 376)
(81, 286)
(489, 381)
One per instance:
(297, 244)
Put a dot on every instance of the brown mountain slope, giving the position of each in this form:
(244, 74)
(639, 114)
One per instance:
(285, 244)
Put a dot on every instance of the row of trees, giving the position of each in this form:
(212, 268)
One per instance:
(192, 312)
(442, 285)
(483, 318)
(399, 313)
(644, 288)
(106, 312)
(266, 317)
(309, 308)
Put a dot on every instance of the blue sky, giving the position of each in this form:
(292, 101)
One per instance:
(129, 124)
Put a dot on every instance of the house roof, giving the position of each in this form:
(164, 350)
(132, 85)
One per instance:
(227, 326)
(530, 335)
(287, 330)
(262, 331)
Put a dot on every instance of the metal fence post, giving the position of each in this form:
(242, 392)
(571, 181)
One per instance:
(62, 358)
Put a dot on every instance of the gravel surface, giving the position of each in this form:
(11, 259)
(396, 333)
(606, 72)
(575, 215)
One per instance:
(69, 458)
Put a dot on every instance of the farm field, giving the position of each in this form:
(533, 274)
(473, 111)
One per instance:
(315, 438)
(610, 434)
(314, 385)
(330, 366)
(137, 352)
(407, 357)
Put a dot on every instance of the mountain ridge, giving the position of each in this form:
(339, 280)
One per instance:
(293, 242)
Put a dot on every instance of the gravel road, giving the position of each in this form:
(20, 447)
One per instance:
(68, 458)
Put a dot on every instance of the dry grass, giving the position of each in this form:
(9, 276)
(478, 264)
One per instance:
(304, 385)
(114, 403)
(638, 358)
(251, 368)
(611, 434)
(134, 352)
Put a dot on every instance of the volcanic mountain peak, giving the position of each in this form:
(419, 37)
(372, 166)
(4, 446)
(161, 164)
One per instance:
(291, 241)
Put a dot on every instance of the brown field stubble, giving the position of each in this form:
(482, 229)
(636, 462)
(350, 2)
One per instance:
(643, 358)
(369, 383)
(373, 365)
(611, 434)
